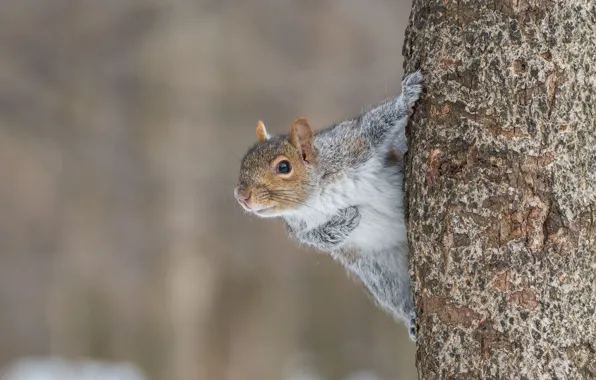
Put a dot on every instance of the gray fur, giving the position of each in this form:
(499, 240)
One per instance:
(352, 155)
(381, 128)
(330, 235)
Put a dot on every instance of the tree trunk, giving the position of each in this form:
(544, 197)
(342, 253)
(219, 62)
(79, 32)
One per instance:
(501, 184)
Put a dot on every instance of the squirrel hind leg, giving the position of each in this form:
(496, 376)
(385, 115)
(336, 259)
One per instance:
(412, 328)
(412, 332)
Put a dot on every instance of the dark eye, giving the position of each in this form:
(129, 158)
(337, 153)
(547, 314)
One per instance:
(284, 167)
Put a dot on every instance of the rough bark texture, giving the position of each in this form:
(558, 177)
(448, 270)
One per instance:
(501, 184)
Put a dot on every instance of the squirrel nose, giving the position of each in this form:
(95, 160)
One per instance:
(242, 195)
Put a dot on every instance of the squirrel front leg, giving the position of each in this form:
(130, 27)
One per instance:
(384, 125)
(330, 235)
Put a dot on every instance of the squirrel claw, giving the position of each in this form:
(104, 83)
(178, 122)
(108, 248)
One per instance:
(411, 89)
(412, 329)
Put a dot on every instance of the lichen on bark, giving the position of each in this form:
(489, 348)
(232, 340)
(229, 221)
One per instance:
(501, 188)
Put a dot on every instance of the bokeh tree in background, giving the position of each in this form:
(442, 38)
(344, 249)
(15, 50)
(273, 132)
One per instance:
(120, 126)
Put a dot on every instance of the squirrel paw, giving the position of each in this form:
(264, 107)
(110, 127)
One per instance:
(412, 88)
(412, 329)
(352, 214)
(411, 324)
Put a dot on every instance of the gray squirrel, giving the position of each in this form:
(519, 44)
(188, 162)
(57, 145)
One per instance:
(340, 191)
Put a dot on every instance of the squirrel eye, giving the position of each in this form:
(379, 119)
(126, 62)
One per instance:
(284, 167)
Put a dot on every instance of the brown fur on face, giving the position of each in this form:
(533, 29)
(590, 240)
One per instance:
(268, 188)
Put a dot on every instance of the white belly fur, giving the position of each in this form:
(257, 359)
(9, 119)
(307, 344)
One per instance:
(379, 198)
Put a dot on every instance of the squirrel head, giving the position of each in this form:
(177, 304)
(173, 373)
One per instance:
(275, 174)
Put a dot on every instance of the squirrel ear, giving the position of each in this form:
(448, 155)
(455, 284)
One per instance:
(262, 134)
(301, 137)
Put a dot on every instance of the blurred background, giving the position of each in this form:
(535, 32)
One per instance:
(122, 123)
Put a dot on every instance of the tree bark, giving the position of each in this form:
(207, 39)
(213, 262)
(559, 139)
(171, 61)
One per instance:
(501, 184)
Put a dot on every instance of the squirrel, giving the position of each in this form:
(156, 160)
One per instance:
(340, 191)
